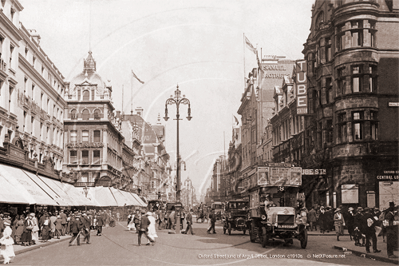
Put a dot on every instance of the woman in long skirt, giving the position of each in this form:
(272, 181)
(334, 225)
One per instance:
(46, 229)
(339, 223)
(26, 237)
(35, 230)
(152, 232)
(7, 241)
(19, 229)
(131, 225)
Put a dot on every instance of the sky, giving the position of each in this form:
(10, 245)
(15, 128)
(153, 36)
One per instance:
(197, 45)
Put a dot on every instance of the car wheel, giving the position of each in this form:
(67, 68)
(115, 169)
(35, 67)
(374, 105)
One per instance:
(304, 240)
(229, 228)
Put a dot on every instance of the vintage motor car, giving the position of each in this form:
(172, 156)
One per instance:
(235, 216)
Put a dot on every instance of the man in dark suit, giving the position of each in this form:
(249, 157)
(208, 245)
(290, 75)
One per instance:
(143, 229)
(212, 217)
(76, 227)
(369, 223)
(99, 222)
(189, 221)
(86, 228)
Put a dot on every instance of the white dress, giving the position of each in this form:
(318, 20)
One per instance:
(152, 233)
(131, 225)
(7, 240)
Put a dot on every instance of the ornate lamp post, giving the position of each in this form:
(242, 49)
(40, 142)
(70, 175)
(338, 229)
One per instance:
(177, 100)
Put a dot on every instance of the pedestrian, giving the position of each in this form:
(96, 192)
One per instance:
(152, 233)
(99, 223)
(329, 220)
(7, 241)
(172, 218)
(359, 227)
(35, 229)
(53, 219)
(136, 220)
(45, 228)
(26, 237)
(19, 229)
(76, 227)
(322, 220)
(339, 223)
(86, 228)
(391, 230)
(212, 218)
(369, 229)
(64, 222)
(189, 221)
(58, 227)
(143, 229)
(312, 219)
(131, 225)
(349, 220)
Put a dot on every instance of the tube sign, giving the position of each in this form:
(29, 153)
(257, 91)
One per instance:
(301, 87)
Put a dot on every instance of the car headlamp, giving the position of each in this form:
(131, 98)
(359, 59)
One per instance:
(263, 217)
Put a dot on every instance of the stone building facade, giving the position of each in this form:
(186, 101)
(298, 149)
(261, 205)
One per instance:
(352, 58)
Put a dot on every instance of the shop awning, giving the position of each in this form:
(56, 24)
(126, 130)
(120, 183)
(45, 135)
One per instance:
(78, 197)
(46, 188)
(104, 197)
(26, 186)
(9, 193)
(132, 200)
(142, 203)
(120, 199)
(56, 186)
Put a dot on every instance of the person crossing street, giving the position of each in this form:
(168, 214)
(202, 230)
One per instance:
(189, 221)
(143, 229)
(212, 218)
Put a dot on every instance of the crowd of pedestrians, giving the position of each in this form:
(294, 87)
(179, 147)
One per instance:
(363, 225)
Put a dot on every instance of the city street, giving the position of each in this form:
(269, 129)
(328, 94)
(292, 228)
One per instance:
(117, 246)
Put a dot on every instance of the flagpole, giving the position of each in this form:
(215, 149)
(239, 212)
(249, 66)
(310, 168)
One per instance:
(131, 91)
(243, 46)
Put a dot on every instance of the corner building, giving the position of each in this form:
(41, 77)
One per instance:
(351, 129)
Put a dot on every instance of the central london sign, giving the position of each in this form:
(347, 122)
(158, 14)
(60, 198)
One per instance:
(301, 88)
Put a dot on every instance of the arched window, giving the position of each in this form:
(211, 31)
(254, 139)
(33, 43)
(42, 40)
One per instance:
(97, 114)
(86, 96)
(319, 20)
(85, 114)
(74, 115)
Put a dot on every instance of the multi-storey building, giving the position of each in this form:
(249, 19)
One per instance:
(151, 169)
(31, 89)
(94, 145)
(352, 57)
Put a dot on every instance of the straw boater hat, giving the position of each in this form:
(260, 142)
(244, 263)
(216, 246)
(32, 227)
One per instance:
(351, 209)
(7, 222)
(148, 214)
(359, 209)
(338, 210)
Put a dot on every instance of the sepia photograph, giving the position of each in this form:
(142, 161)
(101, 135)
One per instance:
(199, 132)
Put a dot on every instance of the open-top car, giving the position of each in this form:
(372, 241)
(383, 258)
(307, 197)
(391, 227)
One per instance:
(235, 216)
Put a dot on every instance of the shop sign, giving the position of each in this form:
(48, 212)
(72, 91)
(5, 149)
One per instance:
(301, 87)
(389, 175)
(314, 171)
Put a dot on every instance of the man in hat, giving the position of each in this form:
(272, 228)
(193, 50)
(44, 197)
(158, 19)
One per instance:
(143, 228)
(358, 225)
(86, 228)
(349, 220)
(189, 221)
(369, 223)
(63, 222)
(76, 227)
(339, 223)
(391, 230)
(212, 217)
(99, 223)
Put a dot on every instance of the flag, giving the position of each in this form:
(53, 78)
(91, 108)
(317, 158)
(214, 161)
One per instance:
(134, 75)
(235, 118)
(249, 45)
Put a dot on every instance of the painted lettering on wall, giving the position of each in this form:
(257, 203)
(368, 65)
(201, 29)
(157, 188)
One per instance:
(301, 87)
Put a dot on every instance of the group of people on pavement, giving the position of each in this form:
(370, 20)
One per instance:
(363, 224)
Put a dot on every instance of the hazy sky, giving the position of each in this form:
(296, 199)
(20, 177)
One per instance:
(196, 44)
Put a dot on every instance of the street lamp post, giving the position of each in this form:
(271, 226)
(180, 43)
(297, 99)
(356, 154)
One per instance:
(177, 100)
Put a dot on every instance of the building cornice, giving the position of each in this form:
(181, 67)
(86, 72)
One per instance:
(42, 55)
(33, 72)
(16, 36)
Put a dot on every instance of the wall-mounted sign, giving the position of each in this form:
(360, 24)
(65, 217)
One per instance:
(301, 87)
(393, 104)
(350, 193)
(314, 171)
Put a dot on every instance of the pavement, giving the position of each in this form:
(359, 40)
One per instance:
(178, 249)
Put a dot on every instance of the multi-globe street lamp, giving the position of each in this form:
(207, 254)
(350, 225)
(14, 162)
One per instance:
(177, 100)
